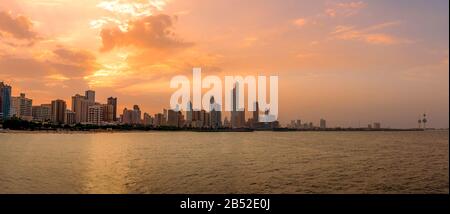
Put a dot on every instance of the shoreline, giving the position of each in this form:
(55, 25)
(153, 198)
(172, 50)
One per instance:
(4, 131)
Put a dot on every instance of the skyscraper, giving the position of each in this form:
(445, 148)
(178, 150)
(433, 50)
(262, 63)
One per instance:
(113, 101)
(108, 112)
(80, 106)
(70, 117)
(323, 124)
(42, 113)
(148, 119)
(158, 120)
(21, 107)
(132, 117)
(136, 116)
(189, 113)
(58, 111)
(5, 101)
(90, 96)
(172, 118)
(95, 114)
(237, 114)
(256, 112)
(215, 114)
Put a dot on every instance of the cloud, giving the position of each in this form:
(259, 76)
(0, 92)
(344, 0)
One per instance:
(122, 11)
(67, 63)
(74, 56)
(300, 22)
(17, 28)
(345, 9)
(154, 32)
(343, 32)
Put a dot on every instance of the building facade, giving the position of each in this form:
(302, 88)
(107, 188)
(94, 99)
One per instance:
(58, 111)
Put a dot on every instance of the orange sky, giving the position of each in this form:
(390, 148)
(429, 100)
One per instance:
(351, 62)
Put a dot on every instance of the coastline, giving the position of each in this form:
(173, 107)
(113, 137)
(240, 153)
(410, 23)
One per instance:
(7, 131)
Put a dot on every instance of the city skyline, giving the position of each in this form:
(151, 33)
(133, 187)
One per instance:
(87, 110)
(352, 62)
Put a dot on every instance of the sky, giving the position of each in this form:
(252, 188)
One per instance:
(351, 62)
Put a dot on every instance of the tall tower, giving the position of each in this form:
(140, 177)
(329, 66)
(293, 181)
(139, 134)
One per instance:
(237, 114)
(80, 106)
(5, 101)
(189, 113)
(90, 96)
(113, 101)
(58, 111)
(256, 113)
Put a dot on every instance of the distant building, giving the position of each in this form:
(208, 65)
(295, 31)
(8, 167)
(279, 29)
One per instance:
(58, 111)
(132, 117)
(5, 101)
(90, 96)
(113, 101)
(206, 119)
(80, 106)
(189, 112)
(226, 123)
(237, 114)
(292, 124)
(377, 125)
(172, 118)
(216, 119)
(70, 117)
(148, 119)
(256, 112)
(298, 124)
(42, 113)
(166, 116)
(108, 113)
(158, 120)
(95, 114)
(21, 107)
(323, 124)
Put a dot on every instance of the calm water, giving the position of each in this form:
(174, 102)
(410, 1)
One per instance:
(259, 162)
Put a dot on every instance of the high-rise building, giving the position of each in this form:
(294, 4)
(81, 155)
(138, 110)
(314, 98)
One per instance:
(132, 117)
(148, 119)
(207, 119)
(377, 125)
(113, 101)
(323, 124)
(298, 124)
(80, 106)
(256, 112)
(42, 112)
(166, 116)
(5, 101)
(95, 114)
(158, 120)
(21, 107)
(226, 123)
(58, 111)
(189, 112)
(215, 114)
(173, 118)
(108, 112)
(136, 118)
(90, 96)
(126, 116)
(237, 114)
(70, 117)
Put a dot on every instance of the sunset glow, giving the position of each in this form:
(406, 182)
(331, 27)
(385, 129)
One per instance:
(349, 61)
